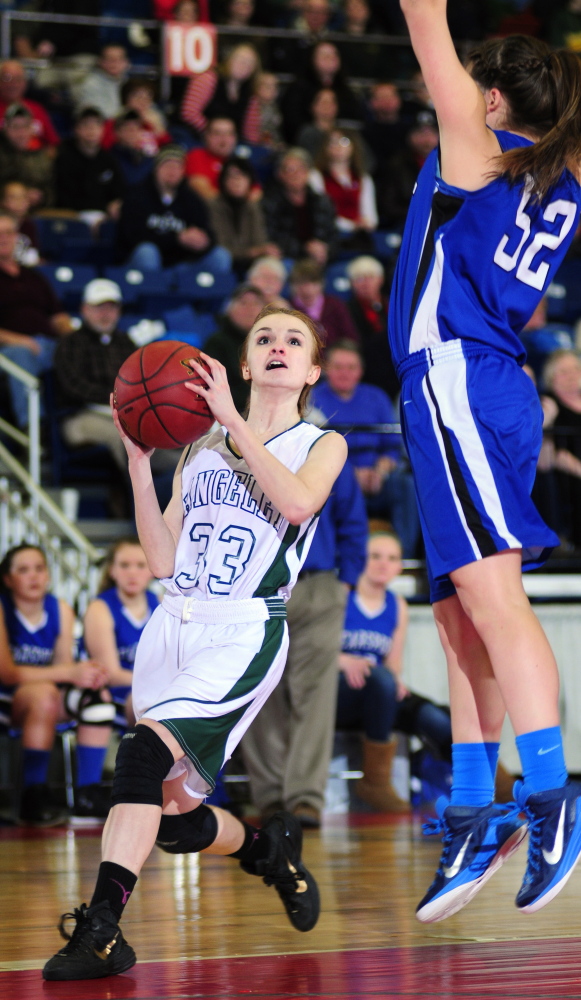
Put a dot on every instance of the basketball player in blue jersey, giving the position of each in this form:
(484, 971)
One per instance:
(115, 620)
(228, 550)
(36, 666)
(493, 214)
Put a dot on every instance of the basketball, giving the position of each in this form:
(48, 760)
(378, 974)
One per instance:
(152, 401)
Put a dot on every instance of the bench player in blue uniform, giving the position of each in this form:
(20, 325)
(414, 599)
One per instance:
(36, 658)
(115, 620)
(491, 219)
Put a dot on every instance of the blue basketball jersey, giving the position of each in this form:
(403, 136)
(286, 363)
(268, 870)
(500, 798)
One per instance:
(31, 644)
(127, 632)
(366, 634)
(474, 264)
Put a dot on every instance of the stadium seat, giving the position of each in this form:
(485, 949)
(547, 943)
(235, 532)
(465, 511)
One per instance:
(61, 238)
(336, 280)
(135, 285)
(200, 285)
(386, 243)
(68, 281)
(564, 292)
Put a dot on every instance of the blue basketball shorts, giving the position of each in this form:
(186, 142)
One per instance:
(472, 425)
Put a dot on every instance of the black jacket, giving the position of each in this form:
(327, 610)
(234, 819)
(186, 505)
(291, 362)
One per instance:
(146, 219)
(86, 183)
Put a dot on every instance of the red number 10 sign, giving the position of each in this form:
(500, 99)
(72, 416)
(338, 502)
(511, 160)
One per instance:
(189, 49)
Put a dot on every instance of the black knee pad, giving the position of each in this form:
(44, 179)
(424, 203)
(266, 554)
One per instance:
(188, 833)
(143, 761)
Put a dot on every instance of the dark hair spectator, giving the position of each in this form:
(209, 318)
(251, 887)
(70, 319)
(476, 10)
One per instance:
(395, 179)
(322, 71)
(87, 177)
(341, 175)
(15, 199)
(299, 221)
(138, 94)
(22, 157)
(133, 161)
(324, 110)
(164, 223)
(385, 128)
(227, 92)
(237, 219)
(204, 163)
(31, 317)
(307, 285)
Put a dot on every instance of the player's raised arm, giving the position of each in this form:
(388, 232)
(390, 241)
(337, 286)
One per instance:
(467, 145)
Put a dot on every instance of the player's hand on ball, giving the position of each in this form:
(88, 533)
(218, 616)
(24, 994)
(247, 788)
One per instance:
(132, 447)
(215, 389)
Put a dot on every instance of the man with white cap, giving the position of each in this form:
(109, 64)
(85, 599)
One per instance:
(86, 364)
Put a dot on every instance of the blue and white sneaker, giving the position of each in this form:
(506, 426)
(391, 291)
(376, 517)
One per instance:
(554, 842)
(477, 841)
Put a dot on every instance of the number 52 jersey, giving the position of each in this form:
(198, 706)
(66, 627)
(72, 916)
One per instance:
(475, 264)
(234, 543)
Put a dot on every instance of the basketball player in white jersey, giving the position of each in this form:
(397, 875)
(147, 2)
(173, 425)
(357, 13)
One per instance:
(228, 549)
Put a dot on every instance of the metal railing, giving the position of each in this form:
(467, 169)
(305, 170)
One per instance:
(31, 440)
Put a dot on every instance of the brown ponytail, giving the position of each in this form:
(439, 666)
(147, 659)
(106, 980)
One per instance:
(543, 91)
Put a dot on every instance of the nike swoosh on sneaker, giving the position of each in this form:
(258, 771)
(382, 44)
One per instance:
(553, 856)
(455, 868)
(548, 750)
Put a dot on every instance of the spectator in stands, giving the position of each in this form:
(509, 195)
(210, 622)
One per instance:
(12, 90)
(15, 199)
(385, 128)
(226, 342)
(312, 18)
(31, 317)
(237, 13)
(378, 458)
(562, 384)
(299, 221)
(101, 88)
(36, 668)
(237, 220)
(324, 110)
(565, 26)
(128, 149)
(368, 307)
(184, 11)
(396, 179)
(362, 58)
(287, 749)
(226, 93)
(307, 285)
(322, 72)
(21, 158)
(270, 115)
(85, 366)
(340, 174)
(87, 177)
(269, 275)
(204, 163)
(164, 223)
(138, 94)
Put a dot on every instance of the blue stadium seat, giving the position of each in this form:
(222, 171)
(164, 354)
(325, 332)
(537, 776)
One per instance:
(336, 280)
(564, 292)
(135, 285)
(200, 285)
(386, 243)
(64, 239)
(68, 281)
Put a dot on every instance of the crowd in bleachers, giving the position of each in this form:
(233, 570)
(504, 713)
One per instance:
(283, 174)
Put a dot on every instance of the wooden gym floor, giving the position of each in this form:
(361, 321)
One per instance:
(203, 929)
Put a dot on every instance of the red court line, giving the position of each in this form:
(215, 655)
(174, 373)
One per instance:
(525, 970)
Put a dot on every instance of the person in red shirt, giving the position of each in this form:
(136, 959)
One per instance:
(12, 88)
(204, 164)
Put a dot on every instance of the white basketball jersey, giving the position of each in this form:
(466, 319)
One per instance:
(234, 543)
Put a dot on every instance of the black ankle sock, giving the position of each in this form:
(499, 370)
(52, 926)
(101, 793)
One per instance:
(115, 884)
(256, 846)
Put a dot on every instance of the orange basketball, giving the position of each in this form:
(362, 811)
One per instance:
(151, 398)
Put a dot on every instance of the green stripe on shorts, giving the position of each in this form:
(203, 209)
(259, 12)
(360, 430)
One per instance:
(204, 740)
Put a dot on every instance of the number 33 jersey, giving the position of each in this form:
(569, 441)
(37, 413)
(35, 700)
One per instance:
(234, 543)
(475, 264)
